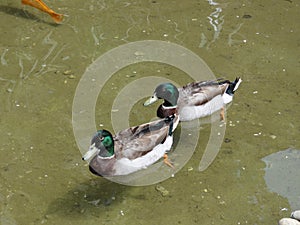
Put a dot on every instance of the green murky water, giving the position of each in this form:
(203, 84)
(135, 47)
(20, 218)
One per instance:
(44, 181)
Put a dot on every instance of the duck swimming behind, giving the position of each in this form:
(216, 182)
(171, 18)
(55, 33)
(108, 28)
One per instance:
(194, 100)
(131, 149)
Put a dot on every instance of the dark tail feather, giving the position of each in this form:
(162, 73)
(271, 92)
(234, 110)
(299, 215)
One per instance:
(233, 86)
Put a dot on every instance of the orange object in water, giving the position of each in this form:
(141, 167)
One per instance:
(43, 7)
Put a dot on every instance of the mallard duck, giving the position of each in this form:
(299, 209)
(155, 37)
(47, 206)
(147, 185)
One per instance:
(194, 100)
(43, 7)
(131, 149)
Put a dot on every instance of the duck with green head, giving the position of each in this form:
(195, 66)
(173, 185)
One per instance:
(194, 100)
(131, 149)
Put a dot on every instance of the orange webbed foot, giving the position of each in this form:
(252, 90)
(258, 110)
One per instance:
(222, 114)
(166, 161)
(38, 4)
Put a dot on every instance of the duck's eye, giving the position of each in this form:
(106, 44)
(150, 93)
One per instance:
(101, 138)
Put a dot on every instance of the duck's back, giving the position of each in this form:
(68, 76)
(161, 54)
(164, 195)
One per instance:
(139, 140)
(194, 98)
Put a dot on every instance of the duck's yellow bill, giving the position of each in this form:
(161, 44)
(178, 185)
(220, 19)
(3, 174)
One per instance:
(151, 100)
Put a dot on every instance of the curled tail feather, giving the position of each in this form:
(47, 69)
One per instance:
(233, 86)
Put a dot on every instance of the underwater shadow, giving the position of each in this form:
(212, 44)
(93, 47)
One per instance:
(23, 14)
(88, 198)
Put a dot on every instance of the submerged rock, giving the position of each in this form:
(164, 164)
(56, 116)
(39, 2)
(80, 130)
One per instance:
(296, 215)
(282, 175)
(164, 192)
(288, 221)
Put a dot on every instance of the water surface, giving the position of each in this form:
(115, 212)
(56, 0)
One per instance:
(44, 181)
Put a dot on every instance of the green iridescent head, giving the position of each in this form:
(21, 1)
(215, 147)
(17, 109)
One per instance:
(166, 91)
(102, 144)
(104, 141)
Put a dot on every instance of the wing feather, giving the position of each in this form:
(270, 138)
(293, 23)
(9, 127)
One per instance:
(137, 141)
